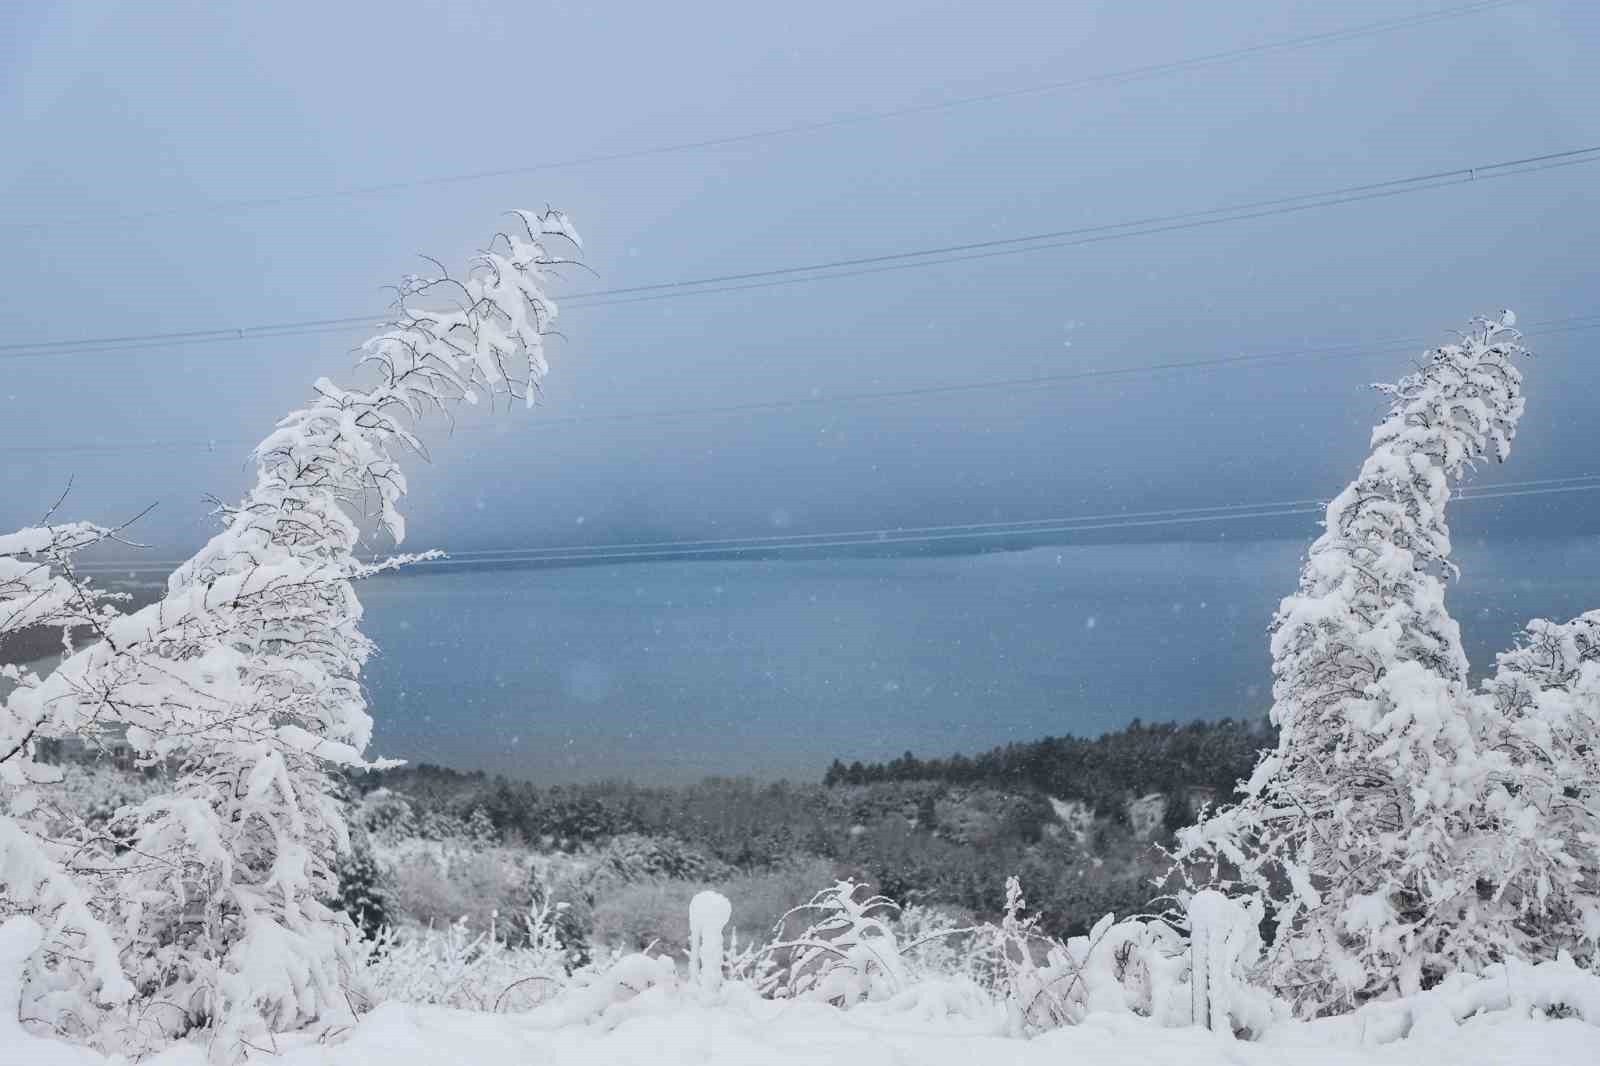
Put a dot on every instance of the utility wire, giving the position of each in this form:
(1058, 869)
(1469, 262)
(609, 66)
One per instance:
(960, 253)
(188, 336)
(1117, 77)
(1262, 359)
(1577, 482)
(1060, 525)
(940, 537)
(1153, 223)
(856, 266)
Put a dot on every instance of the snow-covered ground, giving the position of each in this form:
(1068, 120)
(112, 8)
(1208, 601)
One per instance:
(646, 1010)
(749, 1032)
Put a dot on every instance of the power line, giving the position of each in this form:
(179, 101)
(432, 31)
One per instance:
(1118, 77)
(192, 335)
(1263, 359)
(1056, 526)
(859, 265)
(1576, 482)
(931, 538)
(1090, 234)
(1154, 223)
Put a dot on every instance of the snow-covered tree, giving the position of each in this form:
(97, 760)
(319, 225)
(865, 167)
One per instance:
(1367, 829)
(40, 875)
(246, 673)
(1545, 715)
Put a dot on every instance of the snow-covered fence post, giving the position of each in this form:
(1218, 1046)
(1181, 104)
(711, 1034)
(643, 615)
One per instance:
(708, 915)
(1222, 934)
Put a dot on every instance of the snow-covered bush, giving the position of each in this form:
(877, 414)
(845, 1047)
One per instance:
(438, 881)
(855, 950)
(510, 966)
(1370, 829)
(1556, 988)
(633, 985)
(936, 942)
(845, 953)
(1136, 965)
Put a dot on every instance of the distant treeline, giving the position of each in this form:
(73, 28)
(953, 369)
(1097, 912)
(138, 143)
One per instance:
(1141, 759)
(944, 831)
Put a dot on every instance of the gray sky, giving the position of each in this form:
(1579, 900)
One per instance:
(125, 126)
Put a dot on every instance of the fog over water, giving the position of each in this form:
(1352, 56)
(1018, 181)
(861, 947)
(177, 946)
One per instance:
(667, 672)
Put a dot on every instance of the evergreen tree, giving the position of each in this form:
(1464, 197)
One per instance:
(360, 894)
(1545, 720)
(1365, 828)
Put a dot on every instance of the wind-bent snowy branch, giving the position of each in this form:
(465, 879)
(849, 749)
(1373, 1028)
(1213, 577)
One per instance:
(1362, 827)
(40, 588)
(246, 673)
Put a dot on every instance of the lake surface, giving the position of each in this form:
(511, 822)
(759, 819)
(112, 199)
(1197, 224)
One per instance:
(667, 672)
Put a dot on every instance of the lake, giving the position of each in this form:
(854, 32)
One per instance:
(671, 671)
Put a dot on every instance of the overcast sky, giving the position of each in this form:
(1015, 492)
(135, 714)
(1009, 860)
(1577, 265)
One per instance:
(128, 128)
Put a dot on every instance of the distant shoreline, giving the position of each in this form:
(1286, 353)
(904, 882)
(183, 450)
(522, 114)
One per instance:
(558, 557)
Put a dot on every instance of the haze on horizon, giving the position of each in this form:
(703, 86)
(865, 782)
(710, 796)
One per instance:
(121, 164)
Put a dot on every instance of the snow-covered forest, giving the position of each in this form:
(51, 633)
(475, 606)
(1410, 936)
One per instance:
(1411, 869)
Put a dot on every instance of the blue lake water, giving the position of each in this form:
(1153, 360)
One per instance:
(670, 671)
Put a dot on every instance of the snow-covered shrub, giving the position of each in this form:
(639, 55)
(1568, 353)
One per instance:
(1370, 830)
(1120, 967)
(1133, 966)
(438, 881)
(845, 953)
(936, 942)
(1141, 965)
(513, 966)
(1555, 988)
(633, 985)
(1027, 968)
(866, 953)
(957, 966)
